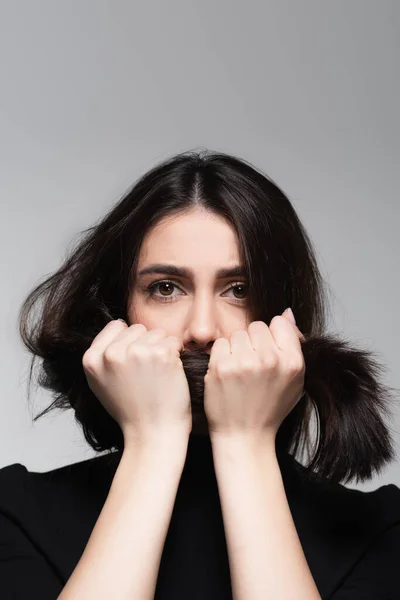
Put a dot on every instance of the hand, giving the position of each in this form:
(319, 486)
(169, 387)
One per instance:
(138, 377)
(255, 380)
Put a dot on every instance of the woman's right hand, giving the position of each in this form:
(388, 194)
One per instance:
(138, 377)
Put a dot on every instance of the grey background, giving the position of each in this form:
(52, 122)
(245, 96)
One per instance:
(94, 93)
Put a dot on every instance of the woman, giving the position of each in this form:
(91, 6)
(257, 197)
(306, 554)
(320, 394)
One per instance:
(202, 395)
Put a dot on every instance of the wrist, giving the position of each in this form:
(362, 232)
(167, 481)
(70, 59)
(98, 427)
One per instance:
(158, 443)
(244, 441)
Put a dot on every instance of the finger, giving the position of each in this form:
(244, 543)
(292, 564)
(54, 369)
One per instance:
(301, 336)
(220, 349)
(158, 336)
(114, 330)
(285, 336)
(151, 336)
(173, 342)
(240, 343)
(261, 338)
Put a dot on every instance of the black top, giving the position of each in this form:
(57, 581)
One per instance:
(351, 539)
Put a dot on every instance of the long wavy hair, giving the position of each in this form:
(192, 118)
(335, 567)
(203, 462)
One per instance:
(96, 279)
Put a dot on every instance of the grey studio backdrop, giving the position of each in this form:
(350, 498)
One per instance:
(94, 93)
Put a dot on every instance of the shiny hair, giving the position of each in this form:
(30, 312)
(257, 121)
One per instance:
(95, 281)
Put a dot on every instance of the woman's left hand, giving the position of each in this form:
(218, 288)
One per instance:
(255, 379)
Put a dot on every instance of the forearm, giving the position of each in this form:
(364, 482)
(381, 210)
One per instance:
(265, 554)
(122, 557)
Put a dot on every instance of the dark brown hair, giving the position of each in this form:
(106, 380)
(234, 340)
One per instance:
(94, 283)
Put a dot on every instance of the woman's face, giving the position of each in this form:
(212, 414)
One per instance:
(202, 305)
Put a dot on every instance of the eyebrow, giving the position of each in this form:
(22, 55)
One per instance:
(186, 272)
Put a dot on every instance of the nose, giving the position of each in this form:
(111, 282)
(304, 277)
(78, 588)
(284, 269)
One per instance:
(200, 341)
(201, 328)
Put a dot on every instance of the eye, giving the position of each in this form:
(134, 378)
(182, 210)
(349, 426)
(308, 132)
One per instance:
(240, 287)
(166, 283)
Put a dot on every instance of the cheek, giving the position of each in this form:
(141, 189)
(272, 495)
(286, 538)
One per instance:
(137, 313)
(150, 317)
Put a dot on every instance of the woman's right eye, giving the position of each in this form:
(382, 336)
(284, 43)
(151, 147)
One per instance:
(151, 290)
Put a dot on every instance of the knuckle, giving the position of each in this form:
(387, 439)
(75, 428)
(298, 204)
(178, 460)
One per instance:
(88, 359)
(87, 355)
(248, 366)
(172, 338)
(295, 366)
(223, 370)
(121, 324)
(276, 318)
(112, 354)
(270, 361)
(160, 330)
(135, 350)
(160, 352)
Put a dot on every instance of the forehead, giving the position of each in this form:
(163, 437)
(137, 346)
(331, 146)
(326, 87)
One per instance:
(196, 237)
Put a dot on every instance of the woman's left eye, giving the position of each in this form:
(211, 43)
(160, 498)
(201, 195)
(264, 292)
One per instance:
(151, 291)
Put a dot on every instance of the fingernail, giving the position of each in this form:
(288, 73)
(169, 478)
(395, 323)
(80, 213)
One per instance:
(290, 314)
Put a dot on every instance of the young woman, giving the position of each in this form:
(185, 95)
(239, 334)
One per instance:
(202, 397)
